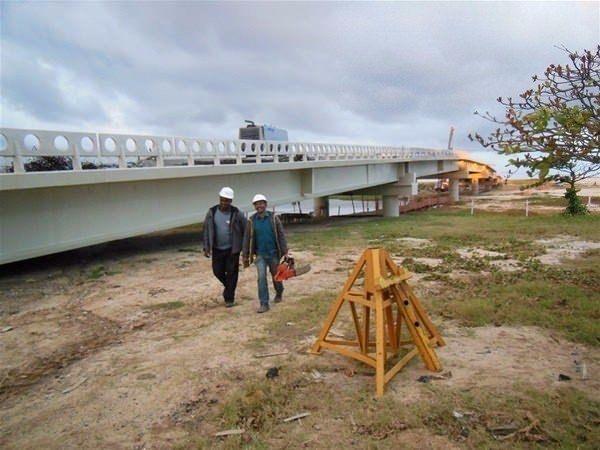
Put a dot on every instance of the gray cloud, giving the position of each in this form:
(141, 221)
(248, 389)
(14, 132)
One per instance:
(390, 73)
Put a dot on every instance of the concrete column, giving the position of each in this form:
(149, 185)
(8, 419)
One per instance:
(474, 186)
(321, 206)
(454, 189)
(391, 206)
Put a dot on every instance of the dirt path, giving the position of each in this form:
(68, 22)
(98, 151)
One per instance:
(121, 352)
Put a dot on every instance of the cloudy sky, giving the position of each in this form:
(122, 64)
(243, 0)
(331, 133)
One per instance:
(385, 73)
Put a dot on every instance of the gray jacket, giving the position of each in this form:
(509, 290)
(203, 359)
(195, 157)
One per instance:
(249, 249)
(238, 228)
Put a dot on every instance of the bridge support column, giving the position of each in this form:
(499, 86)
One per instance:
(321, 206)
(405, 188)
(391, 206)
(454, 189)
(474, 186)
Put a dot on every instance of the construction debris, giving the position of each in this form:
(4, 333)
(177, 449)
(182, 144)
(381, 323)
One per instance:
(72, 388)
(268, 355)
(231, 432)
(296, 417)
(273, 372)
(5, 329)
(428, 378)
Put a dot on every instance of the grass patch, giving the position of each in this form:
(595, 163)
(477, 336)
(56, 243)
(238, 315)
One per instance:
(100, 271)
(343, 416)
(564, 298)
(166, 306)
(555, 297)
(566, 418)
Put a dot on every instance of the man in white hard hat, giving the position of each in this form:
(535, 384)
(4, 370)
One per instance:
(224, 228)
(265, 243)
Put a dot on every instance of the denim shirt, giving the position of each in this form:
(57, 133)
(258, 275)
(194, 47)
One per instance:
(264, 235)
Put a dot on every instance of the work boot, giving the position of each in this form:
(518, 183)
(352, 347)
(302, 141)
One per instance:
(278, 298)
(262, 309)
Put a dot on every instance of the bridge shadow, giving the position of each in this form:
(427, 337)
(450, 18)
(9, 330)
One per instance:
(176, 238)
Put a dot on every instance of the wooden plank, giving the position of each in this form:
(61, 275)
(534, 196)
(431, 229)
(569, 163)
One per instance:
(391, 327)
(431, 328)
(352, 354)
(400, 364)
(356, 324)
(358, 299)
(395, 279)
(335, 307)
(418, 335)
(366, 324)
(342, 342)
(379, 345)
(403, 362)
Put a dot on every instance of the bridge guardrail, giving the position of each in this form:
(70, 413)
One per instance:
(26, 143)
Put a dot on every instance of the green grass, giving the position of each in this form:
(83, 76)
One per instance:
(168, 306)
(343, 415)
(100, 271)
(564, 298)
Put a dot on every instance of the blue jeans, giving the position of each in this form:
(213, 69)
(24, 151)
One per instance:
(262, 262)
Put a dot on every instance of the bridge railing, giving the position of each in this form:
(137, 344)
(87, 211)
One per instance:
(23, 144)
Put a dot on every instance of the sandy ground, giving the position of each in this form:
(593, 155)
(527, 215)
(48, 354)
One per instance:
(114, 361)
(510, 197)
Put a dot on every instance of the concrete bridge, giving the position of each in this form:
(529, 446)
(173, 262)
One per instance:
(151, 183)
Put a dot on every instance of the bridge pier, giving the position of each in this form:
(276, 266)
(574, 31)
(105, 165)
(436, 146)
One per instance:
(321, 206)
(454, 189)
(391, 206)
(405, 188)
(474, 186)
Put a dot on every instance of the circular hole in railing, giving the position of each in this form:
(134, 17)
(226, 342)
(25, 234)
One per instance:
(232, 147)
(278, 147)
(130, 145)
(181, 147)
(270, 147)
(87, 145)
(209, 147)
(3, 143)
(196, 147)
(149, 145)
(166, 146)
(253, 148)
(221, 147)
(243, 146)
(287, 148)
(31, 142)
(61, 144)
(110, 145)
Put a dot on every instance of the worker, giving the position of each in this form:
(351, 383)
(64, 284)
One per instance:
(224, 228)
(264, 243)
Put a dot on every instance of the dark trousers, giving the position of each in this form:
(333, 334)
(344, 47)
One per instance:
(226, 266)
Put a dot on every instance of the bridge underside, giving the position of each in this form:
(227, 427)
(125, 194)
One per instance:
(52, 212)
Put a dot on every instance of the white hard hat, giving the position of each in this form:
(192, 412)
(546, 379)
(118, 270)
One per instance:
(258, 198)
(226, 192)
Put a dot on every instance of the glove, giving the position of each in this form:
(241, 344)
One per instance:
(246, 263)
